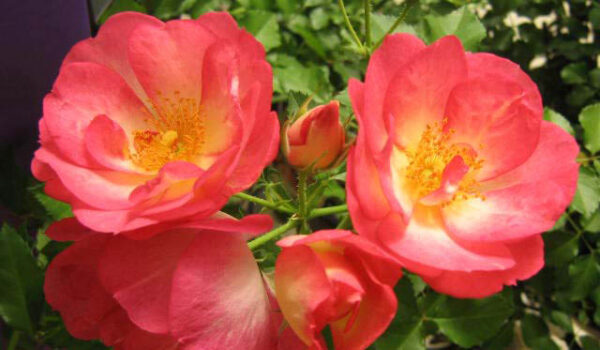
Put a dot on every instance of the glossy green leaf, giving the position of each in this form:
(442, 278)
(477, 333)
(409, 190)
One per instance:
(590, 121)
(535, 333)
(461, 22)
(20, 282)
(584, 276)
(263, 25)
(471, 322)
(587, 195)
(558, 119)
(404, 333)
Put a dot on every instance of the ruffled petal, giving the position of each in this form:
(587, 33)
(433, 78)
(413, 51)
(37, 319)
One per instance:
(139, 273)
(418, 93)
(525, 201)
(213, 310)
(528, 254)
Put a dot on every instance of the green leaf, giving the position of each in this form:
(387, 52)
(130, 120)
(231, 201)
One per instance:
(300, 25)
(590, 121)
(20, 282)
(56, 210)
(502, 340)
(536, 334)
(380, 24)
(461, 22)
(587, 195)
(590, 343)
(561, 247)
(319, 18)
(558, 119)
(584, 276)
(471, 322)
(404, 333)
(574, 73)
(592, 224)
(291, 75)
(119, 6)
(263, 25)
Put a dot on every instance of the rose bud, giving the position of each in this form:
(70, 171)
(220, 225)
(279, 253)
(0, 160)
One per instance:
(316, 138)
(335, 278)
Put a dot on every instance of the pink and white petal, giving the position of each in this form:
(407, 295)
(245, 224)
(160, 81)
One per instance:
(176, 177)
(492, 115)
(139, 339)
(302, 288)
(425, 241)
(138, 274)
(213, 310)
(109, 47)
(451, 177)
(107, 143)
(395, 52)
(250, 225)
(489, 66)
(68, 229)
(224, 27)
(525, 201)
(168, 60)
(81, 92)
(379, 300)
(260, 151)
(72, 287)
(529, 257)
(364, 184)
(418, 93)
(98, 188)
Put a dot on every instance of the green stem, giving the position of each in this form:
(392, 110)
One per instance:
(349, 26)
(14, 340)
(260, 240)
(337, 209)
(265, 203)
(343, 224)
(368, 22)
(303, 201)
(399, 20)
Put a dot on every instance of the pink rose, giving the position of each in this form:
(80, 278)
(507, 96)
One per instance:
(183, 288)
(335, 278)
(454, 171)
(316, 138)
(152, 121)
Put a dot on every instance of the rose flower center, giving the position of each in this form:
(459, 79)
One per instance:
(176, 132)
(431, 157)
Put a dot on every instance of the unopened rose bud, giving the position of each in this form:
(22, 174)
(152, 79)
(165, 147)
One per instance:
(316, 138)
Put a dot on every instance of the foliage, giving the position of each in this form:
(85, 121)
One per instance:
(314, 54)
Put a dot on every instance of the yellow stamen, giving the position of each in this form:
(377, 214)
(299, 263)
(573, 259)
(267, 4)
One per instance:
(175, 132)
(430, 157)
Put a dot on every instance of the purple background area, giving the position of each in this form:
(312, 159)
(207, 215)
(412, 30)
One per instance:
(35, 35)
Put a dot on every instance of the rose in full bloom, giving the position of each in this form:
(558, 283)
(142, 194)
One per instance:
(183, 288)
(454, 171)
(335, 278)
(316, 138)
(152, 121)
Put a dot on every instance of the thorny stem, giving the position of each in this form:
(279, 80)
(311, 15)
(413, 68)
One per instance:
(260, 240)
(265, 203)
(337, 209)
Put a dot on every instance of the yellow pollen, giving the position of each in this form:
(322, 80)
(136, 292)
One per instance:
(175, 132)
(427, 161)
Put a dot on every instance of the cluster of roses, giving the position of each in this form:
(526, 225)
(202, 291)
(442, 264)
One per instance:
(151, 127)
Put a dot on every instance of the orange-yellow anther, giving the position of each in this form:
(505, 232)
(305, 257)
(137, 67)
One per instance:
(430, 157)
(175, 132)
